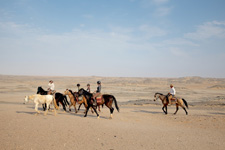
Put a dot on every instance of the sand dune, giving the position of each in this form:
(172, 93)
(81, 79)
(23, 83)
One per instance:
(140, 124)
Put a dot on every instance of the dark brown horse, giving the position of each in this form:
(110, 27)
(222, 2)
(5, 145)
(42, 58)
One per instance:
(178, 102)
(106, 99)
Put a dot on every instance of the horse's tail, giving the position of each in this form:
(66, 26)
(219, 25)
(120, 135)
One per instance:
(66, 101)
(56, 106)
(118, 109)
(185, 102)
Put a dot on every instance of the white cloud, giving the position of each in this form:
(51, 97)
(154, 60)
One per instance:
(162, 11)
(178, 52)
(152, 31)
(214, 29)
(159, 2)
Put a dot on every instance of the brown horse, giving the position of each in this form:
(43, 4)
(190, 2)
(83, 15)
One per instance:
(164, 98)
(106, 99)
(74, 98)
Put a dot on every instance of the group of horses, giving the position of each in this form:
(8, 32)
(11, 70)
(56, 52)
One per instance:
(86, 98)
(81, 97)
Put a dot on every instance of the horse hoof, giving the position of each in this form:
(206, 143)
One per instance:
(98, 117)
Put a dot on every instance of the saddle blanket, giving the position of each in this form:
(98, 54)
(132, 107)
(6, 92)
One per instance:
(99, 99)
(80, 98)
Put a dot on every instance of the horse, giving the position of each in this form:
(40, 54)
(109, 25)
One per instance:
(74, 98)
(179, 102)
(60, 98)
(41, 91)
(41, 99)
(106, 99)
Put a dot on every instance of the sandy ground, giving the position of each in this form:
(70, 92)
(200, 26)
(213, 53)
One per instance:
(140, 124)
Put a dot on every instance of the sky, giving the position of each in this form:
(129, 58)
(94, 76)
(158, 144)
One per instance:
(113, 38)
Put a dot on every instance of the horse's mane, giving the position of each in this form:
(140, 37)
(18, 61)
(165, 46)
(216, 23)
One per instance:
(158, 93)
(40, 88)
(72, 93)
(86, 92)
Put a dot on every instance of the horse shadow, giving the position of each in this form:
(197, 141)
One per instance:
(146, 111)
(217, 113)
(11, 103)
(25, 112)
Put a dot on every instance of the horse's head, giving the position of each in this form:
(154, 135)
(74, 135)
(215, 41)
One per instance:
(156, 96)
(66, 92)
(26, 99)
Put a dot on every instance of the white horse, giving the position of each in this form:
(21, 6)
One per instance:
(41, 99)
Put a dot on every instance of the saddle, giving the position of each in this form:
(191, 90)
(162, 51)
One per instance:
(99, 98)
(80, 98)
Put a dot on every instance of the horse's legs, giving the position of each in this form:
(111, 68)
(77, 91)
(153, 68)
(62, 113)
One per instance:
(36, 109)
(46, 111)
(70, 106)
(177, 108)
(79, 107)
(109, 105)
(96, 112)
(64, 107)
(92, 110)
(164, 108)
(44, 106)
(86, 111)
(185, 110)
(74, 104)
(111, 111)
(99, 108)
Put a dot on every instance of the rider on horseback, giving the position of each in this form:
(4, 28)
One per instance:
(88, 88)
(51, 86)
(171, 94)
(97, 93)
(78, 86)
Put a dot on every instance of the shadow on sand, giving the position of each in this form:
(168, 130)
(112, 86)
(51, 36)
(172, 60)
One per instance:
(146, 111)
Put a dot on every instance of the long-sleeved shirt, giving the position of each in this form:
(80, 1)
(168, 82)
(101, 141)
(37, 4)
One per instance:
(172, 91)
(51, 86)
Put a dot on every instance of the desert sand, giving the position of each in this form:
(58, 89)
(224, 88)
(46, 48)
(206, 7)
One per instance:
(140, 124)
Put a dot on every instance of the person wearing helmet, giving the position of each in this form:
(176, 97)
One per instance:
(88, 88)
(171, 94)
(78, 86)
(97, 92)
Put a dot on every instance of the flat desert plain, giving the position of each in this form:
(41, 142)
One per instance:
(140, 124)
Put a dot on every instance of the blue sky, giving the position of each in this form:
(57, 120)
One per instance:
(121, 38)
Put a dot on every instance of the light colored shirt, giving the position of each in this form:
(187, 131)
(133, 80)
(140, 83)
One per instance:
(51, 86)
(172, 91)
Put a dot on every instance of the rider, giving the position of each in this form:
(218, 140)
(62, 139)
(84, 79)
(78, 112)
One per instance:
(171, 94)
(88, 88)
(51, 86)
(78, 86)
(97, 92)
